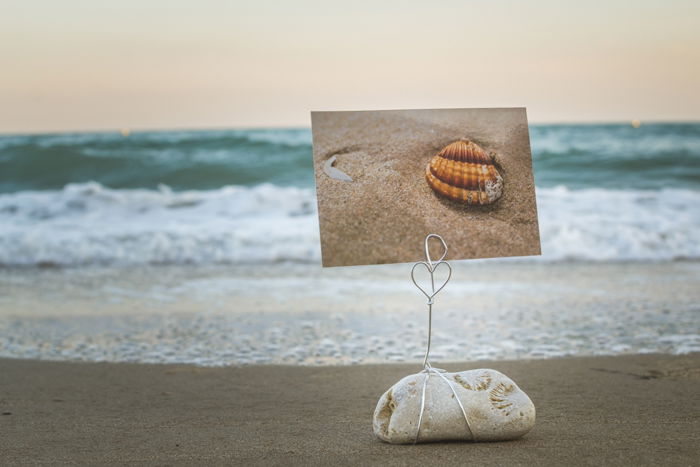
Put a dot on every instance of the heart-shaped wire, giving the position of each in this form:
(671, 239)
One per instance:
(431, 271)
(428, 369)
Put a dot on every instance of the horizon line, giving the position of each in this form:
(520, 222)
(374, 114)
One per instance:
(130, 130)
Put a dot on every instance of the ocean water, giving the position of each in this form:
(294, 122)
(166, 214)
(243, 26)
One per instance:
(202, 247)
(604, 193)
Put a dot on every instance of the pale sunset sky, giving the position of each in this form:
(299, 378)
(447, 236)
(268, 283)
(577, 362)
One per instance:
(91, 65)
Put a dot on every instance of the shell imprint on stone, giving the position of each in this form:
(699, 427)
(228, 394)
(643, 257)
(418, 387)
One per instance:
(465, 173)
(474, 382)
(500, 397)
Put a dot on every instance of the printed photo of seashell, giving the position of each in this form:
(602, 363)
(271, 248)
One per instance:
(465, 173)
(387, 178)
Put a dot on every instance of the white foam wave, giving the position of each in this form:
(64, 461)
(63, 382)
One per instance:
(91, 224)
(619, 225)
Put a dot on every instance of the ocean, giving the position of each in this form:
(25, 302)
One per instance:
(604, 193)
(202, 247)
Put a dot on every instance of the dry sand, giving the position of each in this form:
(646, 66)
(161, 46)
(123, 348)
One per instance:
(384, 214)
(631, 410)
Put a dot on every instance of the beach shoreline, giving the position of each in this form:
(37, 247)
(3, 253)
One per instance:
(624, 410)
(305, 315)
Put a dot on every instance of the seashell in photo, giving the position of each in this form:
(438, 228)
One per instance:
(465, 173)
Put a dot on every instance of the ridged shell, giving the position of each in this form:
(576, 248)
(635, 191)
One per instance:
(463, 172)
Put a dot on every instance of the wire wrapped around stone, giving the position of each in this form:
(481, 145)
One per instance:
(427, 368)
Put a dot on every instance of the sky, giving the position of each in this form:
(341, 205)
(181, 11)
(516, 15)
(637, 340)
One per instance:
(87, 65)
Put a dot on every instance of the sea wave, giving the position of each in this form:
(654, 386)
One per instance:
(615, 157)
(86, 224)
(653, 157)
(619, 225)
(184, 160)
(90, 224)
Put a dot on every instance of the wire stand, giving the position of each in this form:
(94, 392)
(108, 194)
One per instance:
(428, 369)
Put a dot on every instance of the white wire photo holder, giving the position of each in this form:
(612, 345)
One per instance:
(428, 369)
(416, 410)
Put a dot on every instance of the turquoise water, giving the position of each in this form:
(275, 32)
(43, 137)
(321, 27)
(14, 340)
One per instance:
(604, 193)
(198, 160)
(651, 157)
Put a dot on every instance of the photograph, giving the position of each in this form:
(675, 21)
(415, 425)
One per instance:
(386, 179)
(313, 233)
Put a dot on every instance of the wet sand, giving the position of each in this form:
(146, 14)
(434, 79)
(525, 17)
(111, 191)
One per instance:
(626, 410)
(384, 214)
(303, 314)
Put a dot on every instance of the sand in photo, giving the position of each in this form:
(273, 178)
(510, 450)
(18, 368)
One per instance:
(385, 212)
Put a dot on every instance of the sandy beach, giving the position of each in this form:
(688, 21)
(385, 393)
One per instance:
(136, 328)
(628, 410)
(384, 214)
(218, 248)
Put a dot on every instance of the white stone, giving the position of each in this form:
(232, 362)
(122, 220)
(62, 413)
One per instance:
(496, 408)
